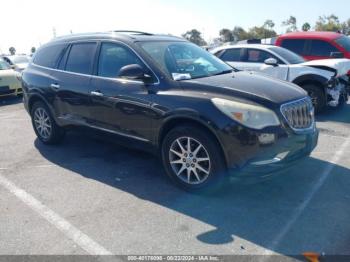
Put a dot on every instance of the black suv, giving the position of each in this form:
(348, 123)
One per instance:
(161, 93)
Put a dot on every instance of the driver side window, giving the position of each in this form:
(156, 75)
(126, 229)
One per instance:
(113, 57)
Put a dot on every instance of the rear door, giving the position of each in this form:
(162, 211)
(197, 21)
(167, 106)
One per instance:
(72, 82)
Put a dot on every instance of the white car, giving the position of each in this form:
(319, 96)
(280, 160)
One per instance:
(17, 62)
(326, 81)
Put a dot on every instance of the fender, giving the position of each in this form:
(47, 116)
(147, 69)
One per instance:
(312, 78)
(36, 94)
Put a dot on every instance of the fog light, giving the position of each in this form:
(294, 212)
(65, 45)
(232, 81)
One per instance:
(266, 139)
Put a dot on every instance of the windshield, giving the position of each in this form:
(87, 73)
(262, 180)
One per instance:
(289, 56)
(19, 59)
(344, 41)
(4, 65)
(183, 60)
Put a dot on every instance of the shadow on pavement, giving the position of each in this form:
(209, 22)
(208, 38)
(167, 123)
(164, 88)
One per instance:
(335, 115)
(255, 212)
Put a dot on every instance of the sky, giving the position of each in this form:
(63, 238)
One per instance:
(27, 23)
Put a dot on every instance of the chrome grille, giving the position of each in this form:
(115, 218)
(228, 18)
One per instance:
(299, 114)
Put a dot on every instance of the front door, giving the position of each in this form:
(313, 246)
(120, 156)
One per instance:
(119, 105)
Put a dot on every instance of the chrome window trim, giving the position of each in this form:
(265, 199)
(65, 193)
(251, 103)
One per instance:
(101, 41)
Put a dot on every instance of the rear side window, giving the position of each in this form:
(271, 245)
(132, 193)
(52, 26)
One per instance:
(321, 48)
(295, 45)
(231, 55)
(113, 57)
(49, 55)
(81, 58)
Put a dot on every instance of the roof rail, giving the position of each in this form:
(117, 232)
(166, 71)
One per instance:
(132, 32)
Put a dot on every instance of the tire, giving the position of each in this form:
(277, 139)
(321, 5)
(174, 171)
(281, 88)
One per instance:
(205, 175)
(42, 120)
(318, 97)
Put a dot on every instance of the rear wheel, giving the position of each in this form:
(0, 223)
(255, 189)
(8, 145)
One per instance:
(44, 125)
(317, 96)
(193, 159)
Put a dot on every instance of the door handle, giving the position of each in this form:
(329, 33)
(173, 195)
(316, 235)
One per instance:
(55, 86)
(96, 93)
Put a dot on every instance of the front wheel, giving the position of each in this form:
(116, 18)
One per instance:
(318, 97)
(193, 159)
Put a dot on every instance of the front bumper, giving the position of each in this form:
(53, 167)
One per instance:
(259, 160)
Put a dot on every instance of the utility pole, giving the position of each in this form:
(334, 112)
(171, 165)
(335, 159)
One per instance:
(54, 32)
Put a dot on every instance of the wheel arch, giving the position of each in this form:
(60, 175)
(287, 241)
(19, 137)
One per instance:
(312, 79)
(175, 121)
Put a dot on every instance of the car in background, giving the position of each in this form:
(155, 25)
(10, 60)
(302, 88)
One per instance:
(10, 83)
(323, 79)
(204, 119)
(316, 45)
(17, 62)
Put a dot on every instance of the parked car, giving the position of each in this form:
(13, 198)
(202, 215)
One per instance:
(171, 97)
(9, 80)
(316, 45)
(322, 79)
(17, 62)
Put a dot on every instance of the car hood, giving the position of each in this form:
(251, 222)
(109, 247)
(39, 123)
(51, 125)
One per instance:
(248, 85)
(342, 66)
(22, 66)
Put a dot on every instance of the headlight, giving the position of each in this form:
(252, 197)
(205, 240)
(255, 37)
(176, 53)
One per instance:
(252, 116)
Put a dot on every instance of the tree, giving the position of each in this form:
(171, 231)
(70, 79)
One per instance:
(328, 23)
(32, 50)
(345, 27)
(306, 27)
(12, 50)
(259, 32)
(291, 24)
(239, 33)
(226, 35)
(195, 37)
(269, 24)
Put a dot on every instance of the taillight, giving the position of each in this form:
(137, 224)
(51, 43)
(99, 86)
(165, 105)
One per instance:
(348, 73)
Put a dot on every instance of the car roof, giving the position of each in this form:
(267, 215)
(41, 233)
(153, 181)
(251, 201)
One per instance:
(130, 36)
(256, 46)
(312, 35)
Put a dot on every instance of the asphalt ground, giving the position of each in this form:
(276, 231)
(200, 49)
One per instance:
(88, 196)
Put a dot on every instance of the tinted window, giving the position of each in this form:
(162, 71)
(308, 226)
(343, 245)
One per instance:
(257, 56)
(344, 42)
(321, 48)
(48, 56)
(289, 56)
(4, 65)
(231, 55)
(81, 57)
(113, 57)
(295, 45)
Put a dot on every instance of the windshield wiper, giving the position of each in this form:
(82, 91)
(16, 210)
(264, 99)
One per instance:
(224, 72)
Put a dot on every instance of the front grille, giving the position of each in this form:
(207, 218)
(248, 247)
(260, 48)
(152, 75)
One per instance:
(299, 114)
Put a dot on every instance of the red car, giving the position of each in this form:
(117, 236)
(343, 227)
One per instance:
(316, 45)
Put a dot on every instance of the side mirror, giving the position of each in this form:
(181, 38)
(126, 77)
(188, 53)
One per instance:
(337, 55)
(13, 66)
(133, 72)
(271, 62)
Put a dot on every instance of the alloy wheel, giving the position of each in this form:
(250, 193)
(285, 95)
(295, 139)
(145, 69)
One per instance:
(42, 123)
(189, 160)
